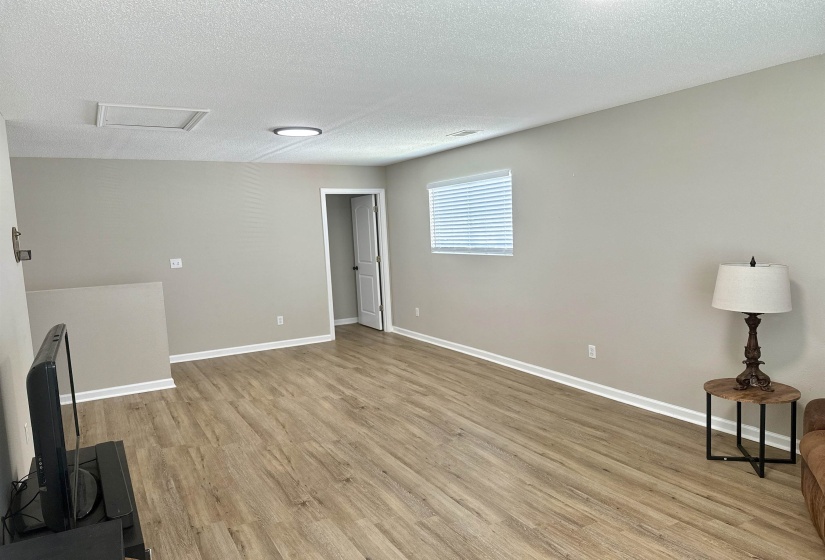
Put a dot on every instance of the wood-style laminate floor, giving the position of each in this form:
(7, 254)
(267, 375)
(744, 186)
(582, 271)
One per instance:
(379, 447)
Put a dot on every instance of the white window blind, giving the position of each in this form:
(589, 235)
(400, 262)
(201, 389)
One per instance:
(473, 214)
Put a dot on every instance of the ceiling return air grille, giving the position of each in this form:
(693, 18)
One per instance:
(145, 117)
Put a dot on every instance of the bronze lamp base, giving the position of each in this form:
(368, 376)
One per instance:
(753, 376)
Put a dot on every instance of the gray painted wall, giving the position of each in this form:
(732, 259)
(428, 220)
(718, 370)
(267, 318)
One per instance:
(621, 218)
(15, 340)
(339, 222)
(250, 236)
(117, 333)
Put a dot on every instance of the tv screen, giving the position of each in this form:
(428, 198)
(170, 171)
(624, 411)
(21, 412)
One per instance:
(55, 444)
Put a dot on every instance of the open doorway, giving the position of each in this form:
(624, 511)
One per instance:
(355, 246)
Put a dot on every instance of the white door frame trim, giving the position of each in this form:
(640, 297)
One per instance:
(383, 244)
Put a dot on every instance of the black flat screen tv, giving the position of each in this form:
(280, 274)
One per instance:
(55, 445)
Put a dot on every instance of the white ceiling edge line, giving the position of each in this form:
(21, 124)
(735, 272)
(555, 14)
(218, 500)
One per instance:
(430, 150)
(196, 118)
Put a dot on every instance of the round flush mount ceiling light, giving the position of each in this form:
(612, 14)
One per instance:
(297, 131)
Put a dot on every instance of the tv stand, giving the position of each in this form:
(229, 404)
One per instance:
(107, 464)
(103, 541)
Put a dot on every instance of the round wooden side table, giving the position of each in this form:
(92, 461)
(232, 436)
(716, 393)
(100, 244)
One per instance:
(781, 394)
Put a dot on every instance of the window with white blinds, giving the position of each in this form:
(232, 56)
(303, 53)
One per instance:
(473, 214)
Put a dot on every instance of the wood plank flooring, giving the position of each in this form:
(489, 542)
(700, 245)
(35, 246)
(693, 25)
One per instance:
(379, 447)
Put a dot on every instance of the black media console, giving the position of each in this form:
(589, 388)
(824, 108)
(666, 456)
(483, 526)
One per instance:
(116, 499)
(103, 541)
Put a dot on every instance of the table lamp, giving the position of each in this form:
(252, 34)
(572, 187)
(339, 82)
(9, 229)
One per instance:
(753, 289)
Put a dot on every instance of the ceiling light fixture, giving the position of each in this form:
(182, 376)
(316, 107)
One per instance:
(297, 131)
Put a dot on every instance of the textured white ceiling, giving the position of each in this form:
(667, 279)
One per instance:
(386, 80)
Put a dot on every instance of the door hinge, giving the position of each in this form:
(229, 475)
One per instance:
(375, 209)
(380, 308)
(378, 258)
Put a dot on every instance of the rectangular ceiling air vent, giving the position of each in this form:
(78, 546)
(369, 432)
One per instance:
(464, 133)
(112, 115)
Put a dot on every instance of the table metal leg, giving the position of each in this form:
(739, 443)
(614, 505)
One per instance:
(761, 471)
(793, 432)
(757, 462)
(738, 423)
(707, 443)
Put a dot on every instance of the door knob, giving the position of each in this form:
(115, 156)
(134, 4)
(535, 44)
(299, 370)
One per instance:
(355, 268)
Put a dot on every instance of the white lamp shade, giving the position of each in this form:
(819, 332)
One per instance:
(764, 288)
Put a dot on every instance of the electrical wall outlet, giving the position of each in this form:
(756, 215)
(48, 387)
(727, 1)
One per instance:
(591, 351)
(280, 319)
(416, 312)
(176, 263)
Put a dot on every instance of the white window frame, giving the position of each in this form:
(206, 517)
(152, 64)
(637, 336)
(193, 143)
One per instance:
(467, 185)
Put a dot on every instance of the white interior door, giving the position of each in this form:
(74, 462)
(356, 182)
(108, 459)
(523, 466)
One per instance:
(367, 268)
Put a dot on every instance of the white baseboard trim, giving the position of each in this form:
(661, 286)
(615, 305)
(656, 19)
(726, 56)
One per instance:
(207, 354)
(694, 417)
(120, 391)
(350, 321)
